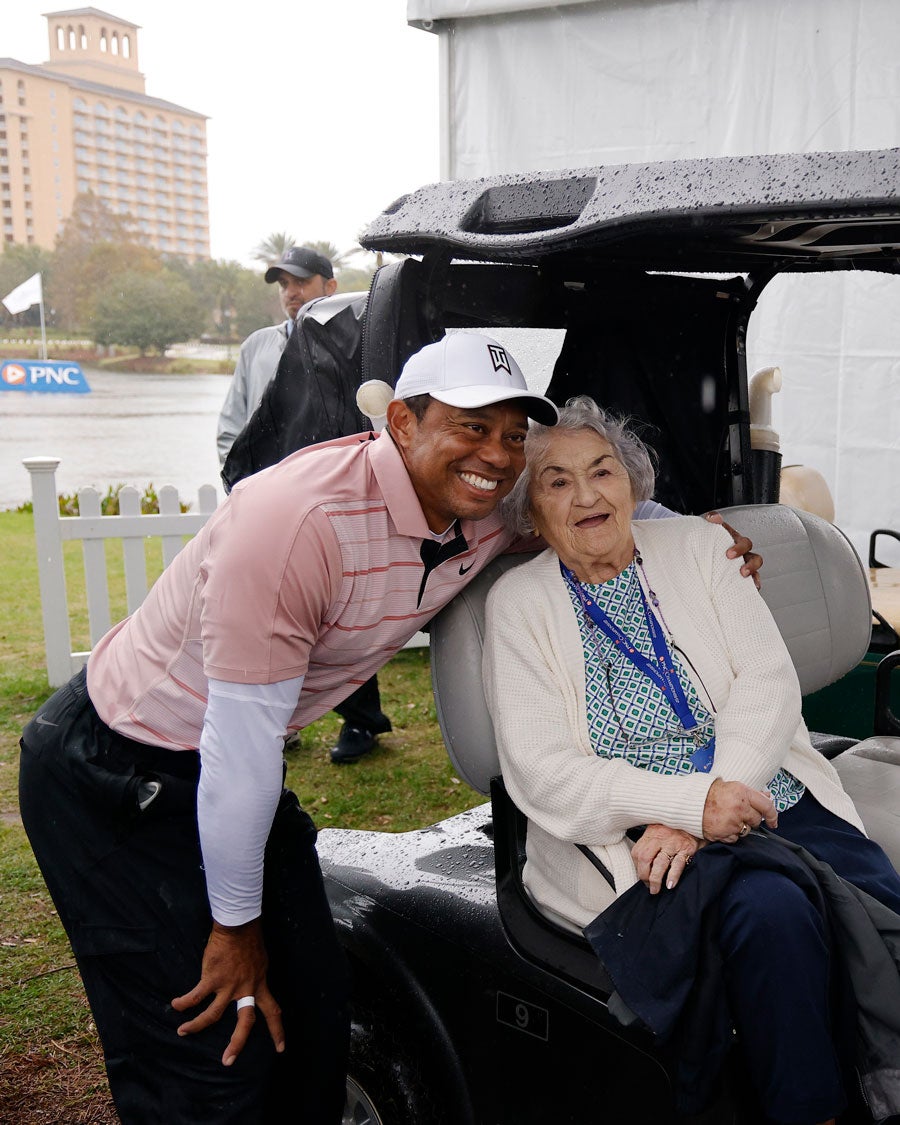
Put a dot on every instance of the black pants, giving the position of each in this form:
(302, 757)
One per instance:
(130, 890)
(363, 709)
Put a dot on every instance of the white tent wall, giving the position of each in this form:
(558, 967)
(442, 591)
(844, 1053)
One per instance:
(530, 86)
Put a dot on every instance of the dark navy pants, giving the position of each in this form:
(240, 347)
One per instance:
(363, 708)
(855, 858)
(776, 965)
(130, 890)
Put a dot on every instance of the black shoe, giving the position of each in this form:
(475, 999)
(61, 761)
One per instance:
(352, 744)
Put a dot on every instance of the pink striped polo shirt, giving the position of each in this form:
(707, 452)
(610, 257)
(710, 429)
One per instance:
(311, 568)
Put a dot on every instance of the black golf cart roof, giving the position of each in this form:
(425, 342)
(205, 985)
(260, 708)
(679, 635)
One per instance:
(813, 211)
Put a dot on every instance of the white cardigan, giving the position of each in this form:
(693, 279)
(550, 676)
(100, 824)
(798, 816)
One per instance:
(535, 689)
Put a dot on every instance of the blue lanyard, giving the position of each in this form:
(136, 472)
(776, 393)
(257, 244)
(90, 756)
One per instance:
(662, 671)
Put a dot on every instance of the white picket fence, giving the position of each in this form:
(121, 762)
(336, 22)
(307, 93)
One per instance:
(51, 530)
(132, 527)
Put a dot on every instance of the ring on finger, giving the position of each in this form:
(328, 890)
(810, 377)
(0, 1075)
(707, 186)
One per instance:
(745, 828)
(246, 1002)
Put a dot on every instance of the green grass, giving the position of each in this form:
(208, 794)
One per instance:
(50, 1066)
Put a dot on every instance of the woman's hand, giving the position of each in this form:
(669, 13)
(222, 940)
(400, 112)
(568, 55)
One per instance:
(234, 967)
(663, 853)
(733, 808)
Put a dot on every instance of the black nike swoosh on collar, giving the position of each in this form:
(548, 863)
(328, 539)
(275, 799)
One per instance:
(466, 569)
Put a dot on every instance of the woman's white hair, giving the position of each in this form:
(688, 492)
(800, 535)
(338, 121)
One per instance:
(580, 413)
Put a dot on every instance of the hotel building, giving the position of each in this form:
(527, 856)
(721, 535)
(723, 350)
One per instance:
(82, 122)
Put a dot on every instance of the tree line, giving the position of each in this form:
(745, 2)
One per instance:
(101, 283)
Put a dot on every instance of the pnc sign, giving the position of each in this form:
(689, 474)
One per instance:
(55, 376)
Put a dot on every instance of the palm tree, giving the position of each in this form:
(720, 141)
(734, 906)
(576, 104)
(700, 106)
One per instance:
(340, 259)
(273, 247)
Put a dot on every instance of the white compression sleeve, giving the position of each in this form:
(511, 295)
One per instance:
(241, 751)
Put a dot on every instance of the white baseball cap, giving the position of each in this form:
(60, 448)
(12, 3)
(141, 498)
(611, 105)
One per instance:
(468, 370)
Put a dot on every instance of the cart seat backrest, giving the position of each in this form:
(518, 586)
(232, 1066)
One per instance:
(812, 581)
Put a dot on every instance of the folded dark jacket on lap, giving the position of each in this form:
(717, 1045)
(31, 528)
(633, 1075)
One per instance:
(662, 955)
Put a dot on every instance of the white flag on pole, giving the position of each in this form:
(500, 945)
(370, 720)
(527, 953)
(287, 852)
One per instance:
(24, 295)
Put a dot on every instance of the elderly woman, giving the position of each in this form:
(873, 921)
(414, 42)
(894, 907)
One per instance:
(636, 680)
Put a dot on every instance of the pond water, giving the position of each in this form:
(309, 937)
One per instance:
(130, 429)
(154, 429)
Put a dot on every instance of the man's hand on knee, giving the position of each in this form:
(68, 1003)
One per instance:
(233, 971)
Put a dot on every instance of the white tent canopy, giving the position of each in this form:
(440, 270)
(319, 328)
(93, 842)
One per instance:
(532, 85)
(427, 11)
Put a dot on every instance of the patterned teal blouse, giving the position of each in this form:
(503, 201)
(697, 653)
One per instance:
(628, 715)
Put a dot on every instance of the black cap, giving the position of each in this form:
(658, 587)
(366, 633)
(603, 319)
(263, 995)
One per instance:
(301, 262)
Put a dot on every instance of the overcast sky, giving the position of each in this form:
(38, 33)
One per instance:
(320, 113)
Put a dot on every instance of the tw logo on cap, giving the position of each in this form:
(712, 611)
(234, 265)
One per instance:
(499, 358)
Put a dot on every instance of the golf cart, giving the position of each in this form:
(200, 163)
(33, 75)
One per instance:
(469, 1005)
